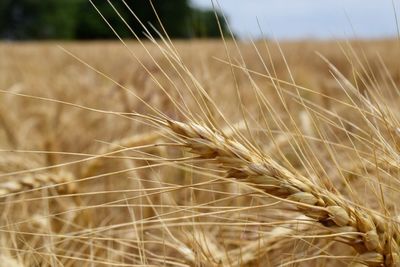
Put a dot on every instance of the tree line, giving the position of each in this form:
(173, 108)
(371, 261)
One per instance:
(78, 19)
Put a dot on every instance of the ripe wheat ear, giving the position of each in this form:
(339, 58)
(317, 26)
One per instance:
(374, 237)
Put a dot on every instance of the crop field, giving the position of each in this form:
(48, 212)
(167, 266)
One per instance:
(200, 153)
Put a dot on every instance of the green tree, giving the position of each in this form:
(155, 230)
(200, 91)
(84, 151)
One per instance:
(175, 18)
(69, 19)
(204, 23)
(173, 14)
(31, 19)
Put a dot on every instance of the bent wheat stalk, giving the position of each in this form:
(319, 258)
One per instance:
(374, 238)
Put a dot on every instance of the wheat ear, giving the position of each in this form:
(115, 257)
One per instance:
(376, 239)
(62, 181)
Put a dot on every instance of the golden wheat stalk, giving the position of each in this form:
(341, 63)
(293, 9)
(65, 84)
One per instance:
(376, 239)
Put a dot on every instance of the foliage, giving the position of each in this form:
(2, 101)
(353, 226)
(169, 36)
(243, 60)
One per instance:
(77, 19)
(26, 19)
(203, 23)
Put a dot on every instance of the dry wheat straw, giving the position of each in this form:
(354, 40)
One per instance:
(244, 255)
(375, 239)
(115, 147)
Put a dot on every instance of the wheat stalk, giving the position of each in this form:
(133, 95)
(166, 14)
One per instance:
(369, 234)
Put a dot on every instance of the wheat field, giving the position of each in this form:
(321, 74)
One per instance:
(200, 153)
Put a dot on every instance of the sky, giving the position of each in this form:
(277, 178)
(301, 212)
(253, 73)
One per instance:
(301, 19)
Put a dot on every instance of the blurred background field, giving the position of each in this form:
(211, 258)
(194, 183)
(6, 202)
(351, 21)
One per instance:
(46, 70)
(40, 133)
